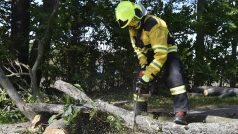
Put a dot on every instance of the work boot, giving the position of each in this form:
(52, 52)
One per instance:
(140, 108)
(180, 118)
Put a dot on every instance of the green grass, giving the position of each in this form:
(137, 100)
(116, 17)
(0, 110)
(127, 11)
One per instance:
(167, 102)
(215, 101)
(8, 117)
(194, 102)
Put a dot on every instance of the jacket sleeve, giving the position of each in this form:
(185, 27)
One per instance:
(139, 51)
(158, 39)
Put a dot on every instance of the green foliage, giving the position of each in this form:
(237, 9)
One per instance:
(70, 114)
(115, 122)
(54, 118)
(3, 96)
(92, 114)
(7, 114)
(13, 116)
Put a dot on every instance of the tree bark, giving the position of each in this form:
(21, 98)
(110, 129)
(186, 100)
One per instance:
(199, 47)
(7, 85)
(74, 92)
(145, 123)
(233, 79)
(53, 108)
(40, 52)
(20, 24)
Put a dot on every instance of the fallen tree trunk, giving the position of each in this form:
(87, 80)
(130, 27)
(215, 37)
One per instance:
(57, 127)
(53, 108)
(210, 119)
(215, 91)
(220, 91)
(16, 128)
(117, 103)
(195, 94)
(145, 123)
(74, 92)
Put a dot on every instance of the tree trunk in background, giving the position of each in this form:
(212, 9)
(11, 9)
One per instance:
(20, 29)
(234, 54)
(73, 67)
(48, 7)
(44, 39)
(19, 38)
(199, 46)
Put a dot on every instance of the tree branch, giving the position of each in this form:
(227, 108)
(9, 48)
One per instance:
(40, 52)
(7, 85)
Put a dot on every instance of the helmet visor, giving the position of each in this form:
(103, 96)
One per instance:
(121, 23)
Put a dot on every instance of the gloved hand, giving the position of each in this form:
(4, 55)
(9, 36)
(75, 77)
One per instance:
(143, 62)
(143, 83)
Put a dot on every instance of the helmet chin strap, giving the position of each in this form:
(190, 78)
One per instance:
(138, 25)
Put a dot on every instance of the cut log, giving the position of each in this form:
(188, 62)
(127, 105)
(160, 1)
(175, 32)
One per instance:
(199, 89)
(194, 94)
(57, 127)
(220, 91)
(145, 123)
(215, 91)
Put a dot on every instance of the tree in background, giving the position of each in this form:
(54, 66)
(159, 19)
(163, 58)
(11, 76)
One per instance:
(84, 44)
(20, 28)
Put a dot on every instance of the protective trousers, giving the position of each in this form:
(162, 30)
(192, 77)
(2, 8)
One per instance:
(172, 74)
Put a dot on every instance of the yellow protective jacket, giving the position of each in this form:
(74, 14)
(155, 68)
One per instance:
(154, 37)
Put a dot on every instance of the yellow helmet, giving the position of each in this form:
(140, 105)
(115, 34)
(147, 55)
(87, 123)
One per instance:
(126, 11)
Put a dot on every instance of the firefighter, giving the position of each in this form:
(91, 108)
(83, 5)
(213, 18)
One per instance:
(156, 51)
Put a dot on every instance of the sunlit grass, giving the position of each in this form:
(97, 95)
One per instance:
(216, 101)
(167, 102)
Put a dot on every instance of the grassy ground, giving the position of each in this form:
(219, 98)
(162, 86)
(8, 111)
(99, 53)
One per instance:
(155, 102)
(167, 102)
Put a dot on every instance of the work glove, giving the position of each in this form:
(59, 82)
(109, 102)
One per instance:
(143, 62)
(143, 84)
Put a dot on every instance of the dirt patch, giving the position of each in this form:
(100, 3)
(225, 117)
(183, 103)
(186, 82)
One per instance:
(16, 128)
